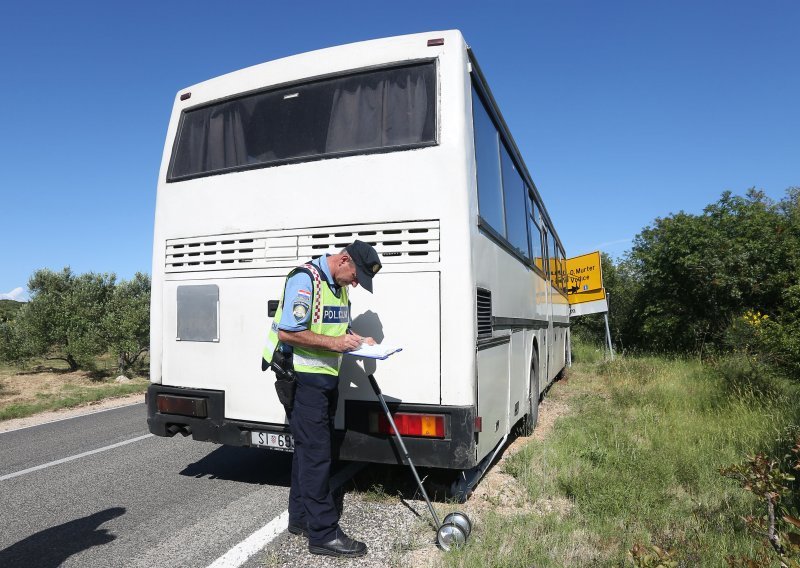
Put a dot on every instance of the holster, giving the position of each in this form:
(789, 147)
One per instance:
(286, 378)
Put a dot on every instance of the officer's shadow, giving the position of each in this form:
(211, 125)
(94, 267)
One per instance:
(52, 547)
(355, 370)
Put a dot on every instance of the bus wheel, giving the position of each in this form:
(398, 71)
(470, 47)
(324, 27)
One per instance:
(532, 417)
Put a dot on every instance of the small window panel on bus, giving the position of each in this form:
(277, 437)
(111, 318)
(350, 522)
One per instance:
(379, 110)
(560, 266)
(558, 270)
(536, 235)
(553, 262)
(562, 262)
(545, 260)
(487, 158)
(198, 313)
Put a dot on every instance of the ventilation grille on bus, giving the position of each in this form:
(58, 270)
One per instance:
(484, 313)
(403, 242)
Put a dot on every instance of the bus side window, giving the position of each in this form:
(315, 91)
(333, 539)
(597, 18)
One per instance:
(487, 158)
(536, 235)
(545, 260)
(515, 209)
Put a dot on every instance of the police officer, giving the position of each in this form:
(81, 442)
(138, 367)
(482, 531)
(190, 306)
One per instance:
(313, 321)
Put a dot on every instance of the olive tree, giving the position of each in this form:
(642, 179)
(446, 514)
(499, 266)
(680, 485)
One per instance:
(76, 318)
(127, 320)
(64, 318)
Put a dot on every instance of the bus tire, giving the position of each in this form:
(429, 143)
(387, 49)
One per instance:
(532, 417)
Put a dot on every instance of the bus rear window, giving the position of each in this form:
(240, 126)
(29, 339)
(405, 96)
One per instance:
(378, 110)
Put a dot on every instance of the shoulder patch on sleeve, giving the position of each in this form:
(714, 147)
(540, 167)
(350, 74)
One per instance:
(300, 310)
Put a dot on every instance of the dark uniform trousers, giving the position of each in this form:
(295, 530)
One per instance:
(311, 501)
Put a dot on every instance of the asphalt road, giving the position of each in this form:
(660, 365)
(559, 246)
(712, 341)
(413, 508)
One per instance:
(143, 503)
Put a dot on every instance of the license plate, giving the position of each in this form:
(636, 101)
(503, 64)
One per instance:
(283, 442)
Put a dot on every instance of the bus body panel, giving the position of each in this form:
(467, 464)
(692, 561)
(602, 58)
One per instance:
(232, 363)
(493, 380)
(404, 314)
(518, 294)
(460, 209)
(518, 388)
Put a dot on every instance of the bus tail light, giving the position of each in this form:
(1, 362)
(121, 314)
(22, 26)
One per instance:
(435, 42)
(408, 424)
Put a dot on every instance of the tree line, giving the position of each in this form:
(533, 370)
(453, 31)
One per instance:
(725, 279)
(77, 317)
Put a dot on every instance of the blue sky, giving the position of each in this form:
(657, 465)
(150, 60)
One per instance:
(624, 111)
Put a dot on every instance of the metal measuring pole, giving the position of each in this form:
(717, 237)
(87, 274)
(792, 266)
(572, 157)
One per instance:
(399, 439)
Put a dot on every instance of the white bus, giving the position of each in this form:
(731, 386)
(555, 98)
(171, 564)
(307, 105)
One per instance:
(397, 142)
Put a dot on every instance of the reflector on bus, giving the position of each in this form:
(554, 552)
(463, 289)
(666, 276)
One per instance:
(182, 405)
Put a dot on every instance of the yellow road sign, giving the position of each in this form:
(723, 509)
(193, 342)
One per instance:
(589, 296)
(585, 274)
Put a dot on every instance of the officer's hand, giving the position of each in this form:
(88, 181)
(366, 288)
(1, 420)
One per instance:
(347, 342)
(364, 339)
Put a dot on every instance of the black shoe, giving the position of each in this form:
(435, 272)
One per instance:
(299, 529)
(341, 546)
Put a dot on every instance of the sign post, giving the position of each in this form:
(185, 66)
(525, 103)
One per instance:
(585, 291)
(608, 331)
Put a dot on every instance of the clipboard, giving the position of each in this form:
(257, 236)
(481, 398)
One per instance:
(380, 352)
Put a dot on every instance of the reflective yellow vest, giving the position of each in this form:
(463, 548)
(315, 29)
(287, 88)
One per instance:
(330, 315)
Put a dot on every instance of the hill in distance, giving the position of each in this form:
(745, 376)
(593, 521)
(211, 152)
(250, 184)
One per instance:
(9, 309)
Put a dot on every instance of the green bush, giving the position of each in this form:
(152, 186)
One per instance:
(726, 280)
(769, 343)
(772, 481)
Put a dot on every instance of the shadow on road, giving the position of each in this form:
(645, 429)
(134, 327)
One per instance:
(246, 465)
(51, 547)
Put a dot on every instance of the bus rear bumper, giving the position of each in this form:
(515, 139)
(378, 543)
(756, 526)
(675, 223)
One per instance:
(202, 417)
(200, 413)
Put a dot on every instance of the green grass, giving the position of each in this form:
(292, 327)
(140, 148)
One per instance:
(638, 457)
(70, 396)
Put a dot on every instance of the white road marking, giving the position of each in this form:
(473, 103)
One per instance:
(71, 417)
(242, 552)
(71, 458)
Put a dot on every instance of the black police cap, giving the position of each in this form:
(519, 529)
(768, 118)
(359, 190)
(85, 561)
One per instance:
(367, 262)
